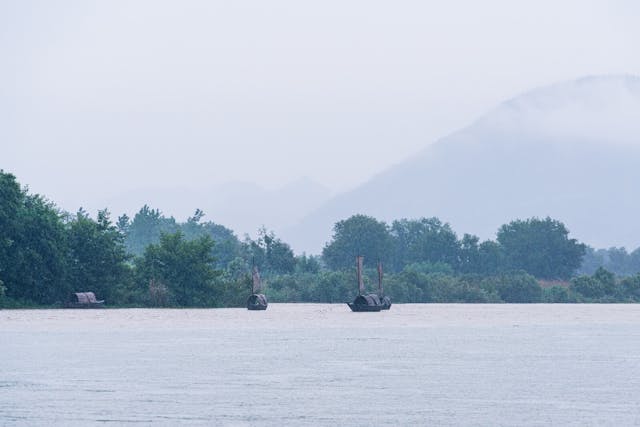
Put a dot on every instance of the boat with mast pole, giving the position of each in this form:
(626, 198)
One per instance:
(256, 301)
(364, 302)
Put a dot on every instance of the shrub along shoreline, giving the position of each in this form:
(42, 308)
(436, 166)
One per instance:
(155, 261)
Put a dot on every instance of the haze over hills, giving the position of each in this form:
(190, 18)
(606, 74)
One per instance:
(241, 206)
(570, 151)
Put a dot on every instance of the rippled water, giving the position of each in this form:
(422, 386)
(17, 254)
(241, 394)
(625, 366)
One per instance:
(315, 364)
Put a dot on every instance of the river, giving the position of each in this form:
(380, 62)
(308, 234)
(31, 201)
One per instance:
(320, 364)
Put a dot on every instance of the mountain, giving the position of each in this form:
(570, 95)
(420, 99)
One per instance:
(570, 151)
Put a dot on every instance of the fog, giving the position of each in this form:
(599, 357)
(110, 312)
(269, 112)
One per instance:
(103, 100)
(569, 151)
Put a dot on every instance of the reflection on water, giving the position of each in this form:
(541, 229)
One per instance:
(309, 364)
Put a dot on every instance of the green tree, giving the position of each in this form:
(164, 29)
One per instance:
(11, 202)
(425, 240)
(607, 280)
(270, 254)
(556, 294)
(185, 267)
(146, 228)
(469, 258)
(601, 284)
(227, 246)
(34, 268)
(490, 256)
(123, 224)
(335, 286)
(540, 247)
(307, 264)
(587, 287)
(616, 260)
(98, 260)
(630, 287)
(517, 287)
(357, 235)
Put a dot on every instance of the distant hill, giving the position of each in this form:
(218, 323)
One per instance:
(570, 151)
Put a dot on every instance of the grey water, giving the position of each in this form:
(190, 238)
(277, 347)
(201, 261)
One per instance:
(320, 364)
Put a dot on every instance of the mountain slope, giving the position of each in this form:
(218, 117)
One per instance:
(570, 151)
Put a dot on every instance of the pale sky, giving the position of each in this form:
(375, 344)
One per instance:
(99, 98)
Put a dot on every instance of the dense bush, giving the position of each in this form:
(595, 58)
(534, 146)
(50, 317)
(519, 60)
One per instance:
(152, 260)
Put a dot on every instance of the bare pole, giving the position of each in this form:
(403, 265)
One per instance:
(359, 260)
(381, 290)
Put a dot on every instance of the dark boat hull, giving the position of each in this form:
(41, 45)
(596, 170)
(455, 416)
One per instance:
(386, 303)
(362, 307)
(84, 305)
(257, 302)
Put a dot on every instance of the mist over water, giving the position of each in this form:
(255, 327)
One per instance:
(320, 364)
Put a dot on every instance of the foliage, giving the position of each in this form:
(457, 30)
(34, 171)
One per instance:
(153, 260)
(357, 235)
(491, 258)
(540, 247)
(149, 224)
(427, 240)
(184, 267)
(603, 286)
(616, 260)
(414, 286)
(146, 228)
(32, 245)
(556, 294)
(428, 268)
(630, 288)
(469, 256)
(307, 264)
(227, 246)
(517, 287)
(97, 257)
(587, 287)
(269, 253)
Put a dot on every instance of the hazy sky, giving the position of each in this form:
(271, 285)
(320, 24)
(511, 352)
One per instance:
(99, 98)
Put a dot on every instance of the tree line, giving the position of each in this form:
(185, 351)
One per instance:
(154, 260)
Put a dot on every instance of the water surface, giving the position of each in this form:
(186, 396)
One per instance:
(320, 364)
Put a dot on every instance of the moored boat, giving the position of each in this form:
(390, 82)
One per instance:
(256, 301)
(364, 302)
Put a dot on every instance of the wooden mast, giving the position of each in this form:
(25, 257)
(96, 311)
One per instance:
(359, 260)
(380, 289)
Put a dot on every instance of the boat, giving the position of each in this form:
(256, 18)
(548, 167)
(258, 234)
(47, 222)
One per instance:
(364, 302)
(256, 301)
(84, 300)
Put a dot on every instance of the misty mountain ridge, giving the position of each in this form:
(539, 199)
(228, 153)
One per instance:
(570, 151)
